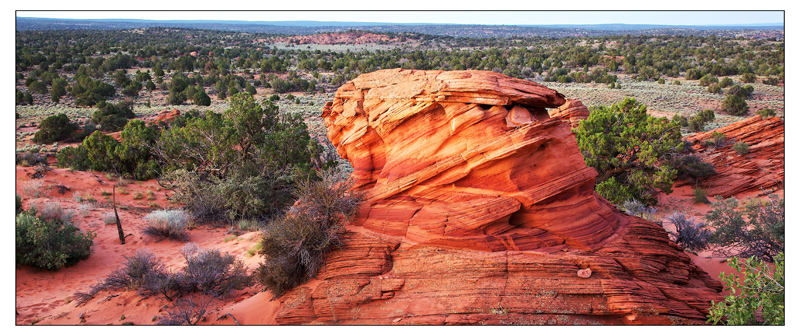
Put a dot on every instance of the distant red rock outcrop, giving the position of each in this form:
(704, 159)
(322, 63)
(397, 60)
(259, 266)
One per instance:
(481, 210)
(762, 168)
(355, 37)
(167, 116)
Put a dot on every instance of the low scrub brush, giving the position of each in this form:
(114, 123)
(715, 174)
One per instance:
(294, 245)
(689, 235)
(167, 224)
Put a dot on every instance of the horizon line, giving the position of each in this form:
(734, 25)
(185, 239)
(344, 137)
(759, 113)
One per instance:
(417, 23)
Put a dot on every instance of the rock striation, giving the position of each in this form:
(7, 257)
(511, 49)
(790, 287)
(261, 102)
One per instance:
(761, 169)
(480, 210)
(573, 111)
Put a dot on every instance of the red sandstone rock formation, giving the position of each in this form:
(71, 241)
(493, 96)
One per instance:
(762, 168)
(481, 210)
(166, 116)
(573, 111)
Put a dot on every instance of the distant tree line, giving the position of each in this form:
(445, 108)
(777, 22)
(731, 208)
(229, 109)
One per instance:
(92, 66)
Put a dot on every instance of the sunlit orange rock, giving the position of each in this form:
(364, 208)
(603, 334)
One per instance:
(167, 116)
(480, 210)
(762, 168)
(572, 111)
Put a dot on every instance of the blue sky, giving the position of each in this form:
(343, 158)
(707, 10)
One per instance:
(462, 17)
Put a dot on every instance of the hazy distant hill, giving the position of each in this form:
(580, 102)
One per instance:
(456, 30)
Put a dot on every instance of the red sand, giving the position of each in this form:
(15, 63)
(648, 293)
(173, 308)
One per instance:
(45, 297)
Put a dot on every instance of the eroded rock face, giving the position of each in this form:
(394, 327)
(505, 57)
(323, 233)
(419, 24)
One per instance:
(572, 111)
(480, 209)
(762, 168)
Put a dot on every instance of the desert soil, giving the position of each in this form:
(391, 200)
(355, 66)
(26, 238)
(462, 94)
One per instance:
(45, 297)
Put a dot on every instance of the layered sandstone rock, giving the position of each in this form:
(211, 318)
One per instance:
(762, 168)
(166, 116)
(573, 111)
(481, 210)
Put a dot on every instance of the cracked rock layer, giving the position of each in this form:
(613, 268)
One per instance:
(481, 210)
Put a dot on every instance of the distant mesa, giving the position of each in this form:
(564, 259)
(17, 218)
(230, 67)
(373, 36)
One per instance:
(481, 210)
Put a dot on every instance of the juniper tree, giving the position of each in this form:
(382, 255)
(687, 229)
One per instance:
(630, 151)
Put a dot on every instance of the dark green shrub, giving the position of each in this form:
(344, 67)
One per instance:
(112, 117)
(89, 92)
(766, 113)
(748, 77)
(741, 147)
(30, 159)
(708, 80)
(19, 97)
(294, 244)
(714, 88)
(725, 82)
(692, 74)
(99, 152)
(175, 97)
(757, 298)
(49, 243)
(691, 167)
(680, 120)
(73, 157)
(697, 124)
(688, 234)
(735, 105)
(254, 180)
(743, 92)
(774, 81)
(18, 204)
(201, 99)
(132, 89)
(81, 134)
(38, 87)
(718, 139)
(133, 153)
(55, 128)
(760, 235)
(629, 150)
(707, 115)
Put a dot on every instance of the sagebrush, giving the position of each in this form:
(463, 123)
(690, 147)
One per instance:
(689, 235)
(294, 244)
(757, 230)
(206, 272)
(167, 224)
